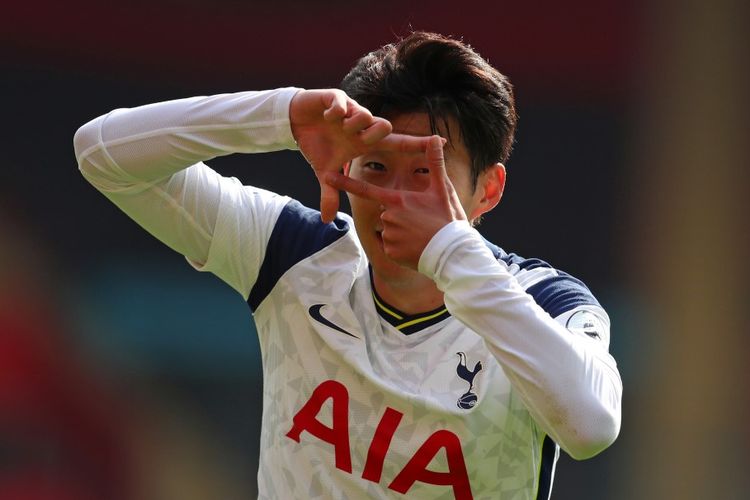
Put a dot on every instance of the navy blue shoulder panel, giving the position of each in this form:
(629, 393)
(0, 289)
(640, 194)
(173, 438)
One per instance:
(562, 293)
(298, 234)
(556, 294)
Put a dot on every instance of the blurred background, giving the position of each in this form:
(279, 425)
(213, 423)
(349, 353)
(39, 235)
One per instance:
(124, 374)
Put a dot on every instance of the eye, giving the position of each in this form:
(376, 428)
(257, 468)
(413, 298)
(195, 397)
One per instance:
(373, 165)
(422, 170)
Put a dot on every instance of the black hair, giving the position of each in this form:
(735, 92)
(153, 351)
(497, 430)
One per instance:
(443, 77)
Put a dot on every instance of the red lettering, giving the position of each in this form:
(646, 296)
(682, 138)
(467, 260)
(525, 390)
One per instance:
(338, 435)
(381, 441)
(416, 469)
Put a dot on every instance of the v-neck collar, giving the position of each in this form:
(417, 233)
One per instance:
(403, 322)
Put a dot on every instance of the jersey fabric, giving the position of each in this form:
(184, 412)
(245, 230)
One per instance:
(359, 401)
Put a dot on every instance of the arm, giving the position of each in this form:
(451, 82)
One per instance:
(568, 380)
(148, 161)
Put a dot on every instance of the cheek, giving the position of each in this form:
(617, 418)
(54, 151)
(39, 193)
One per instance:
(465, 194)
(361, 208)
(354, 169)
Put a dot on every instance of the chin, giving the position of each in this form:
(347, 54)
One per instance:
(384, 267)
(389, 270)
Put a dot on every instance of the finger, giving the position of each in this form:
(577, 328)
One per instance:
(336, 106)
(360, 120)
(436, 159)
(362, 189)
(329, 202)
(379, 129)
(402, 143)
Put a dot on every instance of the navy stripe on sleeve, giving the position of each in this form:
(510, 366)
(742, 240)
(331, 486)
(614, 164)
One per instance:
(298, 234)
(556, 294)
(561, 293)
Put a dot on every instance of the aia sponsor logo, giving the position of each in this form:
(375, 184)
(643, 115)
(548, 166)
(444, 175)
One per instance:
(415, 469)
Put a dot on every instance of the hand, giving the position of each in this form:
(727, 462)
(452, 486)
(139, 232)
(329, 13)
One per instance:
(331, 129)
(410, 218)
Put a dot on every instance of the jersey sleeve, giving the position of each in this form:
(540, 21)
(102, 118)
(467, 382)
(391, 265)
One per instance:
(149, 161)
(562, 296)
(535, 324)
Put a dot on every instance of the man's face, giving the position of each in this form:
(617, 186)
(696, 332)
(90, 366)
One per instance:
(407, 172)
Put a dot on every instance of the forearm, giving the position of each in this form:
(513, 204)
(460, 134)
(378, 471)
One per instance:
(569, 383)
(148, 161)
(152, 142)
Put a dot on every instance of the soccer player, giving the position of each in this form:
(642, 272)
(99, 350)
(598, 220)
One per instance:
(403, 354)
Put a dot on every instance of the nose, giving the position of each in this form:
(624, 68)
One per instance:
(406, 181)
(397, 181)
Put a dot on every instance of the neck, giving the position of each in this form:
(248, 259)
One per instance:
(413, 294)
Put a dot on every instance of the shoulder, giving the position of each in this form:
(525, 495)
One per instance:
(298, 222)
(556, 291)
(298, 233)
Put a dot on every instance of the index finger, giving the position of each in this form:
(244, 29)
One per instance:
(401, 143)
(435, 158)
(361, 188)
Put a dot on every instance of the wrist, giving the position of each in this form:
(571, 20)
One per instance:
(291, 101)
(442, 244)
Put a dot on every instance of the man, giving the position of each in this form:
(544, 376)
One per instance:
(403, 355)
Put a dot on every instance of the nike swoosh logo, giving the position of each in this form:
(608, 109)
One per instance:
(315, 314)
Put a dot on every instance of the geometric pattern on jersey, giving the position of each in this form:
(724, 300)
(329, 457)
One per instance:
(298, 233)
(378, 373)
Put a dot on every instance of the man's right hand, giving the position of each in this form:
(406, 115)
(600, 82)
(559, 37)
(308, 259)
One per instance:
(331, 129)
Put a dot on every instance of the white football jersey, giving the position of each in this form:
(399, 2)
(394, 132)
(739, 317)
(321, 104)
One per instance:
(360, 400)
(355, 408)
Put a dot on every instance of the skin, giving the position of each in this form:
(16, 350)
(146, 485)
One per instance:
(403, 183)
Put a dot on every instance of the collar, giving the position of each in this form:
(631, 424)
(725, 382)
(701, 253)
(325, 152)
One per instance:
(407, 323)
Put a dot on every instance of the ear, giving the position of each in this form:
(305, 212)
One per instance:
(490, 187)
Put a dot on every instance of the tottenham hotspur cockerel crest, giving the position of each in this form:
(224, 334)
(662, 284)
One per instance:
(468, 399)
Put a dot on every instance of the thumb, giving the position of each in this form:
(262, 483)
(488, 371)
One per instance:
(329, 202)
